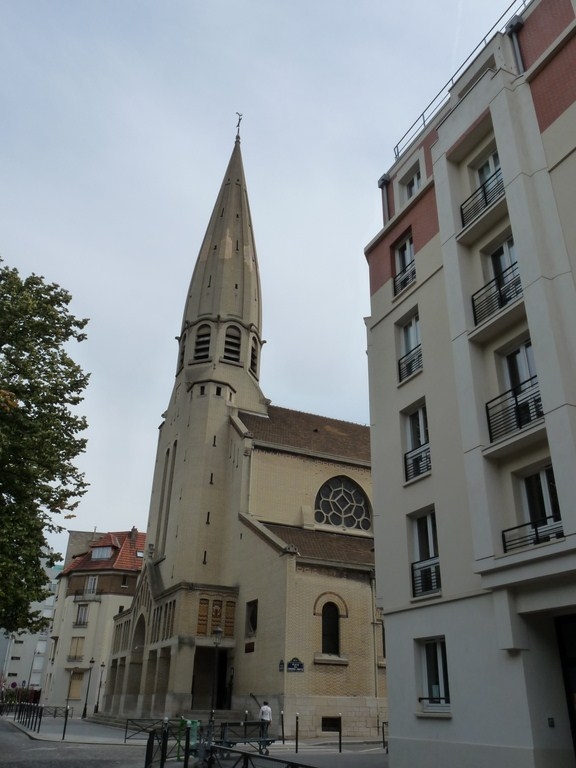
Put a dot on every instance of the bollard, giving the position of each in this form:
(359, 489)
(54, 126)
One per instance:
(65, 722)
(340, 732)
(148, 760)
(282, 723)
(164, 746)
(297, 719)
(40, 714)
(187, 744)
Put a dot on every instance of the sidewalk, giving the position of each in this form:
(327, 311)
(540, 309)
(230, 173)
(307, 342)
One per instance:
(78, 731)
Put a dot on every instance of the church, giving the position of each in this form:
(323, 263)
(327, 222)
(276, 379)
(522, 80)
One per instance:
(258, 572)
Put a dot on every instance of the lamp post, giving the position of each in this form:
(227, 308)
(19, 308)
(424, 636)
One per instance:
(102, 665)
(87, 689)
(216, 639)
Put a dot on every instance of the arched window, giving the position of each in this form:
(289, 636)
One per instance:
(202, 346)
(232, 342)
(254, 357)
(182, 351)
(330, 629)
(342, 503)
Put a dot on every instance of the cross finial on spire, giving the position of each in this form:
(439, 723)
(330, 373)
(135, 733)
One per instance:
(238, 124)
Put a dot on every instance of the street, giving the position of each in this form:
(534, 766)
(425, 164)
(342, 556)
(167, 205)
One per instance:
(19, 750)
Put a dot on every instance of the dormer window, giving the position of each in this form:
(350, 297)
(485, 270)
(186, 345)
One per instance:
(101, 553)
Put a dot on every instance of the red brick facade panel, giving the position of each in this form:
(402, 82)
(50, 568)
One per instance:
(421, 221)
(554, 88)
(542, 27)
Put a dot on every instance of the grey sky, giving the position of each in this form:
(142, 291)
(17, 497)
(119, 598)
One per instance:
(118, 120)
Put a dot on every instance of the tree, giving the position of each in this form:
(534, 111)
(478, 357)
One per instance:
(40, 387)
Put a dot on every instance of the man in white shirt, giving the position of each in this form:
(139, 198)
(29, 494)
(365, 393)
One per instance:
(265, 718)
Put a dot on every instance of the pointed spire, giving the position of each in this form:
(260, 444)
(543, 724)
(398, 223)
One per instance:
(226, 281)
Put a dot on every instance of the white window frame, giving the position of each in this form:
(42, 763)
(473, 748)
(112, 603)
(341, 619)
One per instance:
(417, 428)
(404, 254)
(411, 334)
(545, 478)
(519, 365)
(91, 586)
(488, 167)
(413, 184)
(435, 683)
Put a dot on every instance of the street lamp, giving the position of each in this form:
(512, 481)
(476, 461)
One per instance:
(216, 639)
(102, 665)
(87, 689)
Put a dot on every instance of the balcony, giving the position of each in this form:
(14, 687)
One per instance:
(410, 363)
(496, 294)
(74, 657)
(426, 577)
(84, 597)
(417, 462)
(514, 409)
(403, 279)
(482, 198)
(531, 534)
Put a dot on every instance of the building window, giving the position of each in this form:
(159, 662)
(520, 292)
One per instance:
(202, 345)
(91, 584)
(520, 404)
(76, 651)
(436, 691)
(541, 499)
(232, 343)
(504, 284)
(426, 568)
(82, 615)
(251, 618)
(491, 187)
(417, 459)
(330, 629)
(540, 510)
(411, 360)
(342, 503)
(101, 553)
(75, 685)
(405, 266)
(413, 184)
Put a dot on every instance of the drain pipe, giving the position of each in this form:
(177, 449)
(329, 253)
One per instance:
(512, 28)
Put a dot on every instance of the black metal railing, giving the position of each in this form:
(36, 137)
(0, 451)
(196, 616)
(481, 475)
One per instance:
(496, 294)
(530, 534)
(404, 278)
(515, 409)
(426, 577)
(410, 363)
(484, 196)
(417, 462)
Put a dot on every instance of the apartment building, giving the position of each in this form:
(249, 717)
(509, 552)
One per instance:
(472, 357)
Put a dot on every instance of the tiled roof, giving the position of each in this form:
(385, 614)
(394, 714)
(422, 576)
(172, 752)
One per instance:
(306, 431)
(125, 546)
(321, 545)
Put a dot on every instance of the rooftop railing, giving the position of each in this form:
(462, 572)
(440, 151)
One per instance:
(434, 106)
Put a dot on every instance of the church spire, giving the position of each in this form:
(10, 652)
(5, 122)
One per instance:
(222, 317)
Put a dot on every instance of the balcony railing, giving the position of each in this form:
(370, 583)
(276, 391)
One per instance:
(426, 577)
(514, 409)
(410, 363)
(404, 278)
(496, 294)
(530, 534)
(74, 657)
(84, 597)
(488, 193)
(417, 462)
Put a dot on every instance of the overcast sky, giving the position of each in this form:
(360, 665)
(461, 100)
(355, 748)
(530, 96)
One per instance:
(117, 122)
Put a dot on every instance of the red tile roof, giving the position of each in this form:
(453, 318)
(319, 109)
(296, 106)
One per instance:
(311, 433)
(125, 547)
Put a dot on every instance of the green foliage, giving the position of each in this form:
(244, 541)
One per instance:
(40, 387)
